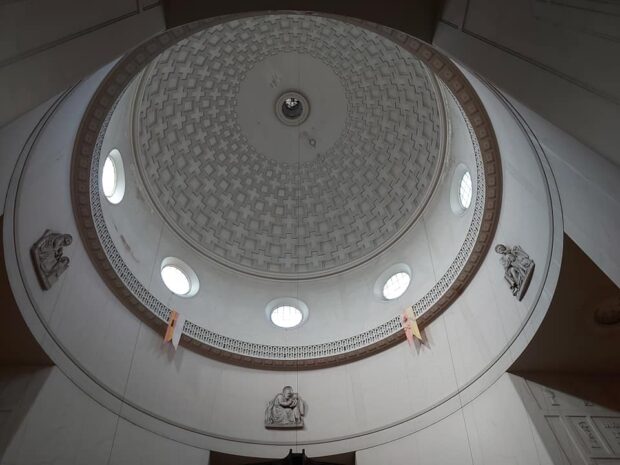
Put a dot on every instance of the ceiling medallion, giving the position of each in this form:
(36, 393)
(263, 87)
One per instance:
(292, 108)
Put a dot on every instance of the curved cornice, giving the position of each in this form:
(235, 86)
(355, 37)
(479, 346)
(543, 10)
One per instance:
(139, 300)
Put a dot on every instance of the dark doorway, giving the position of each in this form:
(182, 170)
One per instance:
(218, 458)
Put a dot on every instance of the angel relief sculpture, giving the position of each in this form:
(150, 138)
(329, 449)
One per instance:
(47, 256)
(285, 410)
(518, 268)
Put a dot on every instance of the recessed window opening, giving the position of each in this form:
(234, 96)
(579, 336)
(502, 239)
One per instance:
(461, 189)
(108, 177)
(286, 316)
(178, 277)
(175, 280)
(396, 285)
(113, 177)
(465, 190)
(393, 282)
(287, 312)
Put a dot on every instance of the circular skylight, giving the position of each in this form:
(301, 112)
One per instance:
(286, 316)
(108, 177)
(396, 285)
(465, 190)
(178, 277)
(175, 280)
(113, 177)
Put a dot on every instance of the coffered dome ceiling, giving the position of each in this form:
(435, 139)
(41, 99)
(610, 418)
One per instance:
(286, 146)
(294, 196)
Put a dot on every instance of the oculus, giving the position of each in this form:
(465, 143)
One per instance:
(292, 108)
(465, 191)
(396, 285)
(178, 277)
(286, 312)
(286, 316)
(393, 282)
(113, 177)
(461, 190)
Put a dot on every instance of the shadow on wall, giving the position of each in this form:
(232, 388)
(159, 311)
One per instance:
(17, 345)
(19, 388)
(24, 366)
(576, 347)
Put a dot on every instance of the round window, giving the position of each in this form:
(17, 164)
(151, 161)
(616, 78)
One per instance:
(396, 285)
(108, 178)
(461, 190)
(465, 191)
(286, 312)
(393, 282)
(286, 316)
(113, 177)
(178, 277)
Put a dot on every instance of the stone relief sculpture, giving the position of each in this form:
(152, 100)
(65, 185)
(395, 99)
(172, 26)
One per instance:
(518, 268)
(285, 410)
(47, 256)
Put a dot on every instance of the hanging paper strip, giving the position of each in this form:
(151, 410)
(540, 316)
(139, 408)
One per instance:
(175, 328)
(410, 325)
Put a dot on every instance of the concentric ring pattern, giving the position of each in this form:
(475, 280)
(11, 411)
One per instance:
(256, 213)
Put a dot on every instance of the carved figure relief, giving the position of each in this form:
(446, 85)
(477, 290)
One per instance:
(518, 268)
(47, 256)
(286, 410)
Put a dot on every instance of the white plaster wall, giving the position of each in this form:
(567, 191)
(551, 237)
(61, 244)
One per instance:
(494, 429)
(13, 138)
(513, 422)
(62, 425)
(124, 365)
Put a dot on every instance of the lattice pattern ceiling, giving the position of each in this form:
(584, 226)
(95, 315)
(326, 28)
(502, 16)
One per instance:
(253, 209)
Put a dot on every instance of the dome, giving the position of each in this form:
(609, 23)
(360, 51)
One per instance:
(297, 234)
(289, 201)
(289, 158)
